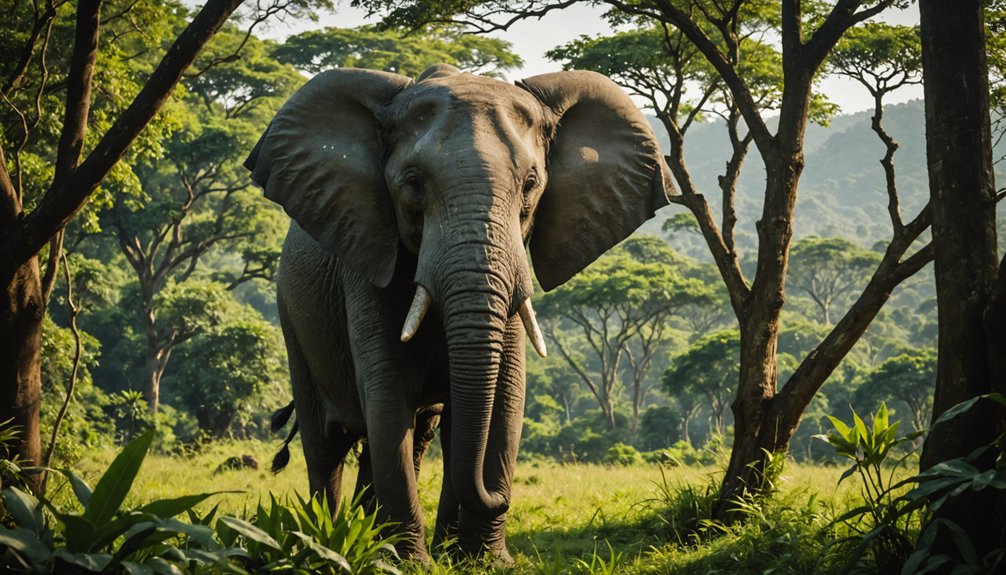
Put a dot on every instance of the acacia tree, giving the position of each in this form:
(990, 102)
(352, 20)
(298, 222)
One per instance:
(907, 377)
(32, 218)
(765, 414)
(970, 288)
(708, 368)
(828, 269)
(617, 300)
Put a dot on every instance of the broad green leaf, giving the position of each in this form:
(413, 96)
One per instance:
(162, 567)
(324, 552)
(251, 532)
(80, 488)
(114, 485)
(26, 544)
(962, 541)
(165, 508)
(96, 562)
(78, 532)
(956, 410)
(24, 508)
(136, 568)
(880, 422)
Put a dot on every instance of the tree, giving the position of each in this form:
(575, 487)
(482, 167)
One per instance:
(396, 51)
(908, 378)
(766, 414)
(197, 200)
(229, 365)
(616, 301)
(827, 269)
(971, 291)
(31, 218)
(708, 368)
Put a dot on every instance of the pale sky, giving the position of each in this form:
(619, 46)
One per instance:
(532, 38)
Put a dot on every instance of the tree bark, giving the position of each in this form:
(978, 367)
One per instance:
(21, 313)
(962, 196)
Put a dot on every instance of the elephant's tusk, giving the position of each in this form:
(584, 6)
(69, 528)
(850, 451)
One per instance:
(420, 305)
(531, 327)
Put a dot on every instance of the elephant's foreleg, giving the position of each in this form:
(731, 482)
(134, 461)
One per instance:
(427, 420)
(390, 440)
(446, 528)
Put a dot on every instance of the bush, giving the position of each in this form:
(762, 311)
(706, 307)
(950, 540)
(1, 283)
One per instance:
(622, 454)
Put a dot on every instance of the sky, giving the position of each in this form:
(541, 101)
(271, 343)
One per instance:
(532, 38)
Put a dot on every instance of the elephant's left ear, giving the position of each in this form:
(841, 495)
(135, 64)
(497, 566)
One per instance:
(606, 175)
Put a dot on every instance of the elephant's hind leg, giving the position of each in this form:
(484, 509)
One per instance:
(325, 442)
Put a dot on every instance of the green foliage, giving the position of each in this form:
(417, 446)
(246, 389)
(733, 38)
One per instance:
(110, 535)
(880, 56)
(881, 525)
(105, 536)
(217, 375)
(403, 52)
(622, 454)
(305, 537)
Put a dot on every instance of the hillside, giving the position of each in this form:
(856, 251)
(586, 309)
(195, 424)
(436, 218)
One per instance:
(842, 188)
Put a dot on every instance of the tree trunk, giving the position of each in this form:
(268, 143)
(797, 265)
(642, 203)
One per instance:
(21, 313)
(962, 195)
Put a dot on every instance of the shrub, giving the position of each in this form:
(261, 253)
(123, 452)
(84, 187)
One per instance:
(622, 454)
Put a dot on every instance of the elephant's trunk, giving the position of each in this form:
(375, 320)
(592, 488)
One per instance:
(475, 352)
(479, 284)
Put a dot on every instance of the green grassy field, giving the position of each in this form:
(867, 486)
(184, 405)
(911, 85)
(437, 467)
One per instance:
(564, 517)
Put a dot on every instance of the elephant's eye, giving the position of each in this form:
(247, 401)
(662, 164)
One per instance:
(530, 183)
(412, 184)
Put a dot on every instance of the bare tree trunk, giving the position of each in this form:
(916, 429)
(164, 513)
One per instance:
(21, 313)
(962, 195)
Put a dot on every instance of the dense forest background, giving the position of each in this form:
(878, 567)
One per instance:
(172, 284)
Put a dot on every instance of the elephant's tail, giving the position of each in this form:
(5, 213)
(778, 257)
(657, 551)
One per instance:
(276, 422)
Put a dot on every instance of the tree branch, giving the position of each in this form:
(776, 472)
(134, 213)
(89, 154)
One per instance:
(63, 200)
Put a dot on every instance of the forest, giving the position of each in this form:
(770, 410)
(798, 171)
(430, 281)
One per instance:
(797, 366)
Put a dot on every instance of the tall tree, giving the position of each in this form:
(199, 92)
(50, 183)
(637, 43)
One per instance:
(397, 51)
(30, 220)
(828, 269)
(197, 200)
(614, 302)
(971, 291)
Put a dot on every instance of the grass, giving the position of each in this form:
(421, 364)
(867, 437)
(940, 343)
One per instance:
(565, 518)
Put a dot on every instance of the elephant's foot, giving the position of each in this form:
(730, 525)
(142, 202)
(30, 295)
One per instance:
(409, 550)
(484, 540)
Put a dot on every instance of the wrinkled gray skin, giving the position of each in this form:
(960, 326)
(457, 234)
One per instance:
(439, 183)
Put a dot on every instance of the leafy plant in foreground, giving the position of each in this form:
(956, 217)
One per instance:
(305, 537)
(106, 537)
(941, 483)
(880, 523)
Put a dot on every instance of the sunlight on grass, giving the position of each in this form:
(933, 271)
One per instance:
(562, 515)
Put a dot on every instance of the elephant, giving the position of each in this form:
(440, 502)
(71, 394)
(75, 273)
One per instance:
(404, 285)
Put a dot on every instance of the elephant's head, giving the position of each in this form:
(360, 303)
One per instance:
(464, 171)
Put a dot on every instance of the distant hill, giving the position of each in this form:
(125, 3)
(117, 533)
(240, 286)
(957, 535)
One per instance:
(842, 189)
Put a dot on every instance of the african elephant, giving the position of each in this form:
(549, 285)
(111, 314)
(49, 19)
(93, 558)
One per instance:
(413, 199)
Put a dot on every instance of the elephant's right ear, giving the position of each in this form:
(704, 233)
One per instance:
(321, 159)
